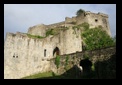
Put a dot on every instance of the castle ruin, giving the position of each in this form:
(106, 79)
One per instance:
(24, 55)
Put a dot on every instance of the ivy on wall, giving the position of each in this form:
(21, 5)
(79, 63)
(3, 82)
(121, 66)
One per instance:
(57, 61)
(35, 36)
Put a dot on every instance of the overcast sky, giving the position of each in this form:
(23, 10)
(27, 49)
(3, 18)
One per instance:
(19, 17)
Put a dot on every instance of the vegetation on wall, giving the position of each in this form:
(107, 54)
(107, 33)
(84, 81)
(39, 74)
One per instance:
(35, 36)
(94, 38)
(63, 28)
(67, 58)
(55, 31)
(83, 26)
(57, 61)
(50, 32)
(86, 56)
(66, 64)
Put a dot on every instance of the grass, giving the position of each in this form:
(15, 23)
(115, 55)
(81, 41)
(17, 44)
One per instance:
(47, 75)
(39, 75)
(69, 74)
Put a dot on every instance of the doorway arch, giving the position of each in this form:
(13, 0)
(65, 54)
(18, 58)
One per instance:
(56, 51)
(86, 64)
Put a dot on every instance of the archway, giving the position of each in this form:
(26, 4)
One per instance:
(86, 65)
(56, 51)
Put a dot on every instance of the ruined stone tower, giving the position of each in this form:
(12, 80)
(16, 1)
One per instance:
(30, 53)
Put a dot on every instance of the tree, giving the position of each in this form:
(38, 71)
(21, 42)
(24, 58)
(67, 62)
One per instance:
(79, 12)
(96, 38)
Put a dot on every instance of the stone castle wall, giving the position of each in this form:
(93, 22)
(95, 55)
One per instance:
(24, 56)
(98, 19)
(94, 56)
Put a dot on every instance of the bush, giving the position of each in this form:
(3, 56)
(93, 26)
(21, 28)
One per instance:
(49, 32)
(96, 38)
(67, 58)
(57, 61)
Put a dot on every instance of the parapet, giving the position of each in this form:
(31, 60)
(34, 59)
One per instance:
(102, 14)
(17, 34)
(36, 26)
(70, 20)
(55, 24)
(99, 13)
(10, 34)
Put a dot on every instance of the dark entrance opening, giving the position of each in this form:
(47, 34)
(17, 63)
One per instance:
(56, 51)
(86, 65)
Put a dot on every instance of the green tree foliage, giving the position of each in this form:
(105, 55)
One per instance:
(49, 32)
(79, 12)
(96, 38)
(85, 25)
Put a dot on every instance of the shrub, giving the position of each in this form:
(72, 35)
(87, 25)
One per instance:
(57, 61)
(67, 58)
(49, 32)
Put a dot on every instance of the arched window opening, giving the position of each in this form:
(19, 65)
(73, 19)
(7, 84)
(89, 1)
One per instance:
(56, 51)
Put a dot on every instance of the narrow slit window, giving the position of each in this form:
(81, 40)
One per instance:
(44, 52)
(14, 56)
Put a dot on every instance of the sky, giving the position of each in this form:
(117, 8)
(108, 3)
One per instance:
(19, 17)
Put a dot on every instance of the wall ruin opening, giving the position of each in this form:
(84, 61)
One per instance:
(56, 51)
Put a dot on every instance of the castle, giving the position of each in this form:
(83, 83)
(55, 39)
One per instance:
(24, 54)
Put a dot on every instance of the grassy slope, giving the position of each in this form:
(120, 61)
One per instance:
(39, 75)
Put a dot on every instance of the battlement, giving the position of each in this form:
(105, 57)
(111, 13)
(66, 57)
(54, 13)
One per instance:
(94, 20)
(99, 13)
(56, 24)
(102, 14)
(19, 34)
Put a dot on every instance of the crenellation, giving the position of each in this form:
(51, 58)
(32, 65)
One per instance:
(56, 25)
